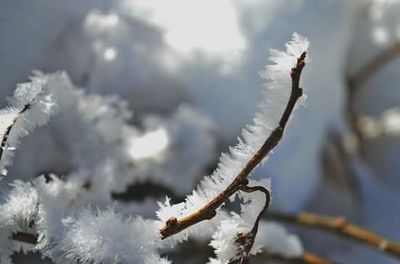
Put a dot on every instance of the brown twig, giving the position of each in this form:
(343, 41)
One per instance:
(246, 240)
(3, 145)
(208, 211)
(339, 226)
(25, 237)
(250, 189)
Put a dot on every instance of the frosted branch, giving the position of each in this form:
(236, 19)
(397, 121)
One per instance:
(246, 240)
(298, 46)
(32, 105)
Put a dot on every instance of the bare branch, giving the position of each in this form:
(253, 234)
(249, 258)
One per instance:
(246, 240)
(339, 226)
(3, 145)
(25, 237)
(208, 211)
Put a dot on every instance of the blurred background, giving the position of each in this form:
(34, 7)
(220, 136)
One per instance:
(191, 68)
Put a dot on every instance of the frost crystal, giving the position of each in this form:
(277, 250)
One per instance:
(271, 238)
(17, 213)
(31, 106)
(105, 237)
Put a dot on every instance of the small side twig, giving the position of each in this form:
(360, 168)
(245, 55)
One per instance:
(339, 226)
(208, 211)
(25, 237)
(7, 133)
(246, 240)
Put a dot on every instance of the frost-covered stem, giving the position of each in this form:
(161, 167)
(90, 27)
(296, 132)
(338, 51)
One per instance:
(25, 237)
(246, 240)
(7, 133)
(305, 258)
(359, 78)
(208, 211)
(339, 226)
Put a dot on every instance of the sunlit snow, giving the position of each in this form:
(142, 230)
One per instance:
(149, 145)
(209, 26)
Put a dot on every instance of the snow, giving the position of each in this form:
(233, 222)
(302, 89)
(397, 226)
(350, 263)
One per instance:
(188, 71)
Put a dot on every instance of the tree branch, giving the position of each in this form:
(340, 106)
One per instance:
(208, 211)
(25, 237)
(246, 240)
(3, 145)
(339, 226)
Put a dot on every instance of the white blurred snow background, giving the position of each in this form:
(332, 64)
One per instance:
(192, 67)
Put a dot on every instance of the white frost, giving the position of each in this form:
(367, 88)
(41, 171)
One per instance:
(275, 96)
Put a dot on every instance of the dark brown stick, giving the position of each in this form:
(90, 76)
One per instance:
(246, 240)
(339, 226)
(3, 145)
(250, 189)
(25, 237)
(208, 211)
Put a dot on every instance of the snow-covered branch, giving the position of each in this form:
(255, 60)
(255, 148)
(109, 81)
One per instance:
(32, 105)
(234, 169)
(68, 218)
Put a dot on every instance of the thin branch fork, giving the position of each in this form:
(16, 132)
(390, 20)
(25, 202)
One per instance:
(245, 241)
(249, 189)
(208, 211)
(339, 226)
